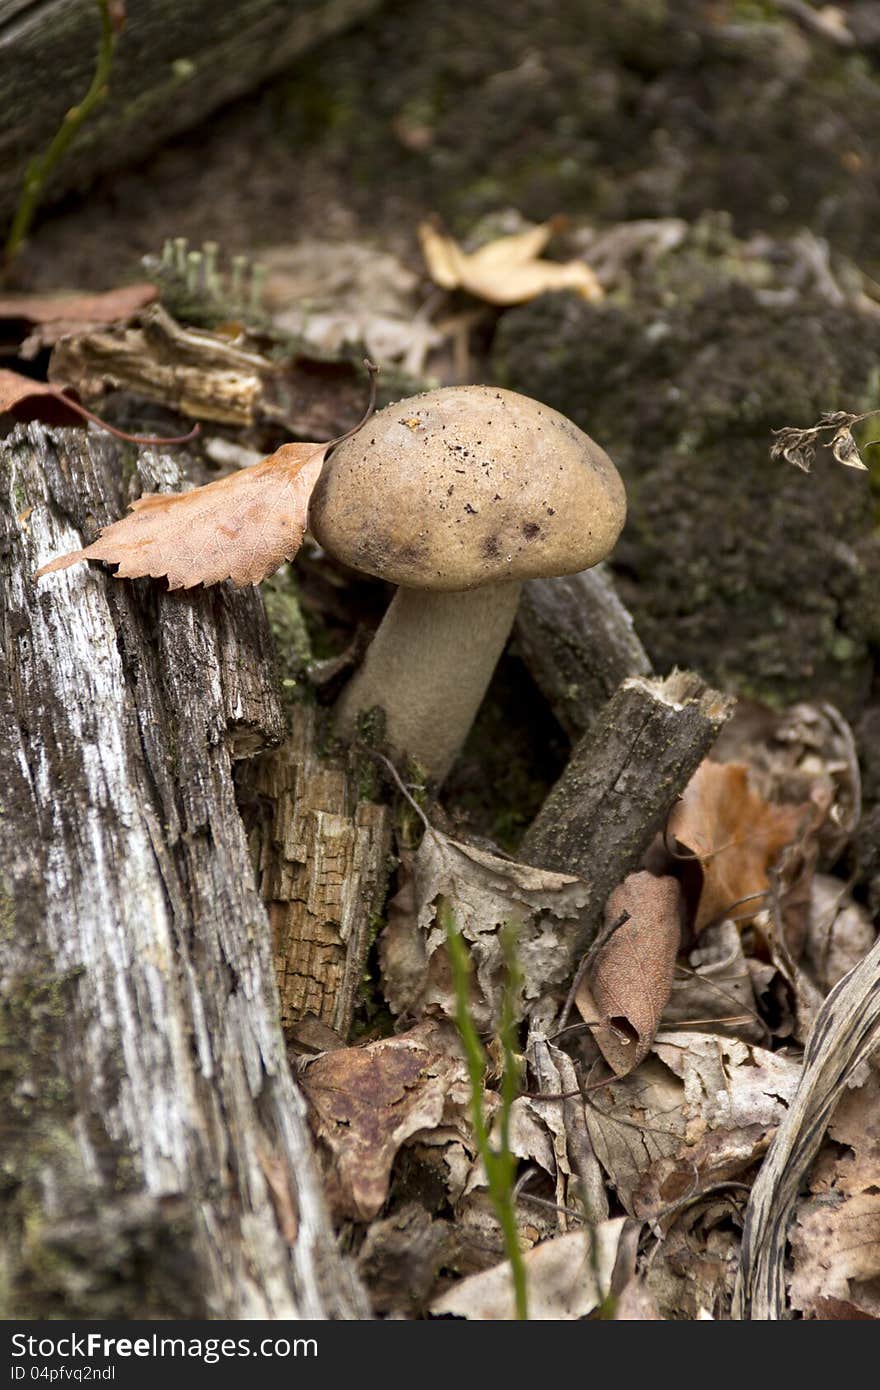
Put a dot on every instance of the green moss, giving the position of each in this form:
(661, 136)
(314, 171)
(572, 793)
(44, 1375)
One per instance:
(759, 576)
(292, 641)
(7, 910)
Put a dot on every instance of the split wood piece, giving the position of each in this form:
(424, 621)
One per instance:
(845, 1033)
(579, 642)
(621, 782)
(173, 66)
(322, 854)
(186, 369)
(157, 1157)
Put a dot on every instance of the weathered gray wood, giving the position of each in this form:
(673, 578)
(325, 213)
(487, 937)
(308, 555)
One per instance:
(156, 1156)
(323, 860)
(579, 642)
(845, 1033)
(174, 64)
(621, 781)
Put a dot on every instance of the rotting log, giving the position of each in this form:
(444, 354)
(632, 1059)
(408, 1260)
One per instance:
(621, 782)
(322, 851)
(157, 1161)
(579, 642)
(174, 64)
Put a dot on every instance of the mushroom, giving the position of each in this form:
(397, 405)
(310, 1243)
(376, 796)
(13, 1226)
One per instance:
(457, 496)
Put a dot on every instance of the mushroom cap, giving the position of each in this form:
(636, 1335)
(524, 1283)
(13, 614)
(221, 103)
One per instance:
(464, 486)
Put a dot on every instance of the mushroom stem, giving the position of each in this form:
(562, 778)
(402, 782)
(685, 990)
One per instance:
(428, 667)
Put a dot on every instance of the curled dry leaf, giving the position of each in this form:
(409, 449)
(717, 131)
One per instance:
(241, 528)
(799, 446)
(366, 1101)
(485, 891)
(736, 836)
(507, 270)
(26, 399)
(574, 1166)
(567, 1277)
(846, 451)
(626, 988)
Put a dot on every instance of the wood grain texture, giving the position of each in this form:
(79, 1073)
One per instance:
(157, 1160)
(844, 1035)
(620, 784)
(174, 65)
(579, 642)
(323, 854)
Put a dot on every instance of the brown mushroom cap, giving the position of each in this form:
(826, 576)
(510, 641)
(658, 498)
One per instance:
(468, 485)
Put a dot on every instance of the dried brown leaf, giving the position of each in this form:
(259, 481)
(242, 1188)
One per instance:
(719, 1156)
(26, 399)
(698, 1110)
(736, 835)
(626, 988)
(574, 1167)
(507, 270)
(846, 451)
(485, 891)
(840, 932)
(728, 1084)
(635, 1120)
(241, 528)
(567, 1277)
(835, 1240)
(717, 983)
(40, 320)
(366, 1101)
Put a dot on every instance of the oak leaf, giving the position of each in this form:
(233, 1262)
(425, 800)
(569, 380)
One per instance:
(736, 835)
(507, 270)
(242, 527)
(626, 988)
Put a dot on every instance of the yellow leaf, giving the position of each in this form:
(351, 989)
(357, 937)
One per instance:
(506, 271)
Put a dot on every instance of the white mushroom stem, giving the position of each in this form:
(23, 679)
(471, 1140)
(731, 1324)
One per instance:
(428, 667)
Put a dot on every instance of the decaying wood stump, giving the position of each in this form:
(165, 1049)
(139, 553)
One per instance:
(173, 66)
(323, 855)
(156, 1156)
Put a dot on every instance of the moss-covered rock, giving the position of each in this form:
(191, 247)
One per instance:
(760, 576)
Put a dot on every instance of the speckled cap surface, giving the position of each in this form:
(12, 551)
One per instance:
(468, 485)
